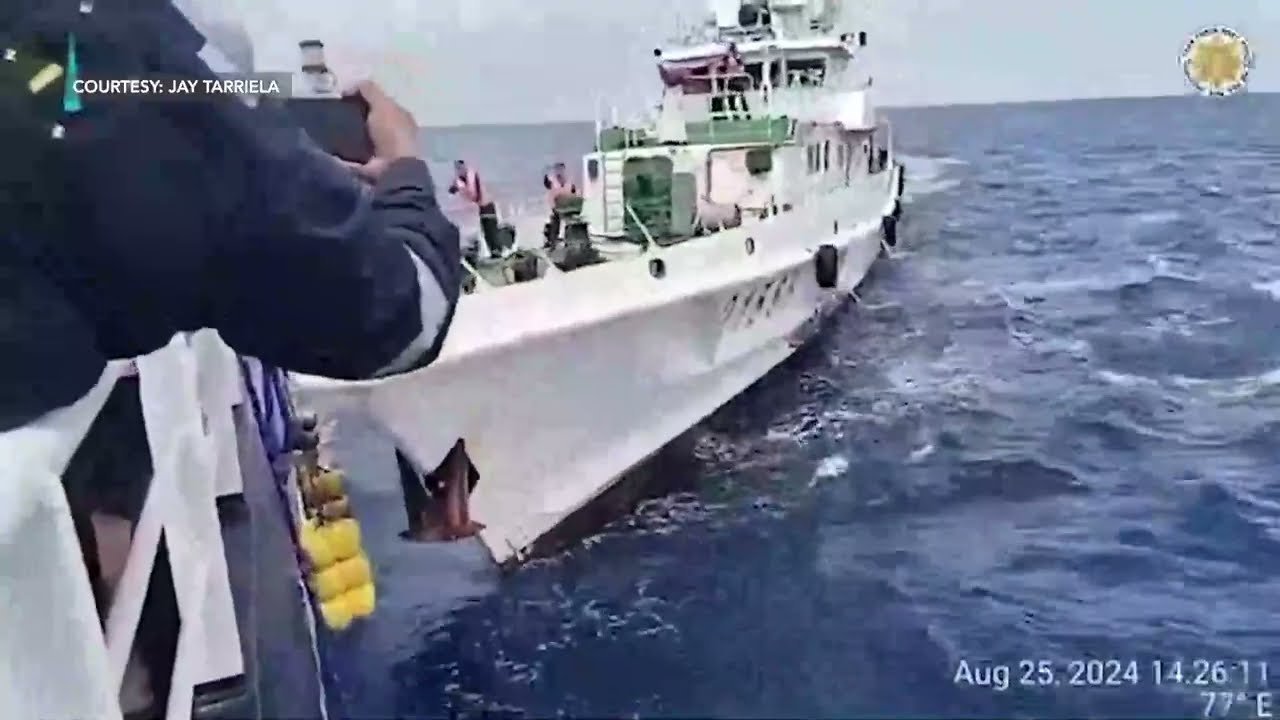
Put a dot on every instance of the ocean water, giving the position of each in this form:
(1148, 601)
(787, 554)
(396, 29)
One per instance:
(1049, 433)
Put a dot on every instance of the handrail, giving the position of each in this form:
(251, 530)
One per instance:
(54, 648)
(52, 656)
(650, 243)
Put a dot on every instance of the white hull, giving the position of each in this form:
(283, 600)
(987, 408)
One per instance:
(562, 385)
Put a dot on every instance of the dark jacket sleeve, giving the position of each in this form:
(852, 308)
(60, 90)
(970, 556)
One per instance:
(48, 356)
(214, 214)
(367, 279)
(405, 201)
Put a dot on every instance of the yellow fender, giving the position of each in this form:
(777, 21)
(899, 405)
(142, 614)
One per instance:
(329, 483)
(340, 576)
(323, 487)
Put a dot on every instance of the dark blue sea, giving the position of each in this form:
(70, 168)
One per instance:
(1050, 432)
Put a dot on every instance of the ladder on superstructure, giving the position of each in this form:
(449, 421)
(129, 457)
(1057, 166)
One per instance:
(612, 166)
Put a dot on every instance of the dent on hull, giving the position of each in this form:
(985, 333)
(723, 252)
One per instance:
(553, 421)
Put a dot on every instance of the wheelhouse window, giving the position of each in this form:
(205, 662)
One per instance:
(826, 155)
(807, 73)
(768, 72)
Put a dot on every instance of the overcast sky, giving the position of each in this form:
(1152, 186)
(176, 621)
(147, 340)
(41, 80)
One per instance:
(464, 61)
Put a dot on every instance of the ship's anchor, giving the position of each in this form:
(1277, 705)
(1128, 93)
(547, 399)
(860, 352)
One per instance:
(889, 230)
(439, 507)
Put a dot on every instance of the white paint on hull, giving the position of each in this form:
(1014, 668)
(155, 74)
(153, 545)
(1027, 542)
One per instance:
(562, 385)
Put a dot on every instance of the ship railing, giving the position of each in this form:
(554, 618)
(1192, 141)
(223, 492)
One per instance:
(814, 103)
(58, 659)
(747, 33)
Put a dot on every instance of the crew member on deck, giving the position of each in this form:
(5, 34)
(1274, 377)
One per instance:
(558, 186)
(729, 97)
(466, 182)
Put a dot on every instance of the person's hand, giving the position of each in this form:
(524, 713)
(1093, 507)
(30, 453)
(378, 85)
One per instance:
(392, 130)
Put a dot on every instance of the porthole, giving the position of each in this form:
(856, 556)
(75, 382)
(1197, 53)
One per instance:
(657, 268)
(750, 244)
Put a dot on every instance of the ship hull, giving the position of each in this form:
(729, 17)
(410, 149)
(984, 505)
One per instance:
(561, 386)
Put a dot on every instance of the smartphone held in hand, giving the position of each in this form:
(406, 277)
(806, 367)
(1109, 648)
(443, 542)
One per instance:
(337, 125)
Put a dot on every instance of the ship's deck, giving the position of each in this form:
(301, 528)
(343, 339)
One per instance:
(497, 272)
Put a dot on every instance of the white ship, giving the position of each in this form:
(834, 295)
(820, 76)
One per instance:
(705, 248)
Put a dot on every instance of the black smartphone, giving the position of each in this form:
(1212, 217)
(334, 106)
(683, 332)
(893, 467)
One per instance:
(337, 125)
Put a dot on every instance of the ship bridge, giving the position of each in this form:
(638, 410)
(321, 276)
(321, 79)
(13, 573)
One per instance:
(770, 59)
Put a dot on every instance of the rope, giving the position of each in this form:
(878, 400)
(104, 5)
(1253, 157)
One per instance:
(270, 443)
(274, 447)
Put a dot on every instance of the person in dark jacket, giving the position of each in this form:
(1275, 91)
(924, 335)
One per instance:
(124, 221)
(172, 216)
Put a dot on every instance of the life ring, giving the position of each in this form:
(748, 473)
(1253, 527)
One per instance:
(826, 266)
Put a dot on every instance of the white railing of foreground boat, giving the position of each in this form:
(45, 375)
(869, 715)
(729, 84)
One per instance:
(55, 660)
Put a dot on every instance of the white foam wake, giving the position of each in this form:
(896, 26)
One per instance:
(930, 175)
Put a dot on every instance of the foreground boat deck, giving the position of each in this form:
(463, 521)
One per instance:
(280, 675)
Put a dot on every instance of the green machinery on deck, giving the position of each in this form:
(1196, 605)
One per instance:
(663, 200)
